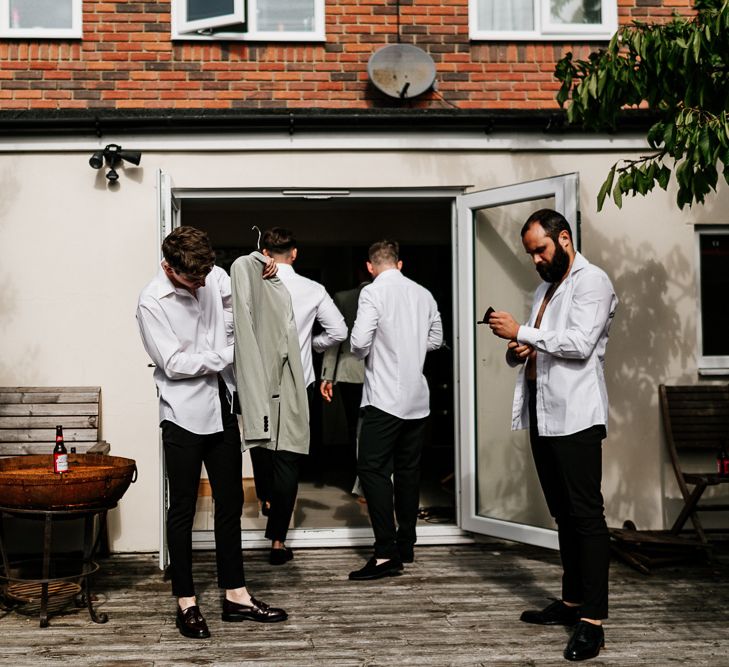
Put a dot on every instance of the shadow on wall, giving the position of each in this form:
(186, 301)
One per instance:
(648, 342)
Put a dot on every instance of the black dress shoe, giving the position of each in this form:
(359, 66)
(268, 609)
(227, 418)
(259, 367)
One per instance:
(371, 570)
(191, 623)
(557, 613)
(407, 554)
(256, 611)
(586, 642)
(280, 556)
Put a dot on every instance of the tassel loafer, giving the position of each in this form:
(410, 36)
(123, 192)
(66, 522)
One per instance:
(191, 623)
(256, 611)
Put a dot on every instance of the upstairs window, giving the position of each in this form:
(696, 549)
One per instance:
(259, 20)
(509, 20)
(713, 251)
(40, 18)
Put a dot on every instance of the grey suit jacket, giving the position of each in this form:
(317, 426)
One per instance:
(268, 372)
(339, 364)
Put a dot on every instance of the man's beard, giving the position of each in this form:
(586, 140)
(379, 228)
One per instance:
(555, 270)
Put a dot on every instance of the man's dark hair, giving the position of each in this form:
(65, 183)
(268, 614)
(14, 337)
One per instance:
(552, 222)
(278, 241)
(188, 251)
(384, 252)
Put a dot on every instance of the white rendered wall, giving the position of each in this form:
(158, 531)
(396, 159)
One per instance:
(74, 255)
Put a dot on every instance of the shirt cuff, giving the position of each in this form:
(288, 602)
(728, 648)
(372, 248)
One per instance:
(527, 335)
(227, 354)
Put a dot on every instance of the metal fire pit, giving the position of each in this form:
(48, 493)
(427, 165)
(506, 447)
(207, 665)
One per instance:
(92, 480)
(29, 489)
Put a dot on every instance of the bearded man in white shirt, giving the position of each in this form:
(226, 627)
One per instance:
(561, 397)
(397, 324)
(186, 322)
(277, 472)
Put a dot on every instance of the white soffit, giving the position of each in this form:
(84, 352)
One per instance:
(333, 141)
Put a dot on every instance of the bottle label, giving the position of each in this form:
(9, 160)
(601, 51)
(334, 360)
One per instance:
(60, 463)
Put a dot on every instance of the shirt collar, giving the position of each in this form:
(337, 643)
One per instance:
(578, 263)
(285, 269)
(164, 284)
(388, 274)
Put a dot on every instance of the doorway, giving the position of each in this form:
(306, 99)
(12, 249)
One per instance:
(333, 233)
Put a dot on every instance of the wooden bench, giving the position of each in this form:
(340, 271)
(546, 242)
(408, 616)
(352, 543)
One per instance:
(29, 415)
(696, 420)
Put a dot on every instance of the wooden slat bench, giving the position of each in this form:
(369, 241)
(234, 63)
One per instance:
(29, 415)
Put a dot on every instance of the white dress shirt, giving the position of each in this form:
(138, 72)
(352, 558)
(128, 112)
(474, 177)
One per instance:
(570, 343)
(190, 340)
(397, 323)
(312, 303)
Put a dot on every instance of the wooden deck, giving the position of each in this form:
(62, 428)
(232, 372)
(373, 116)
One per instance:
(455, 605)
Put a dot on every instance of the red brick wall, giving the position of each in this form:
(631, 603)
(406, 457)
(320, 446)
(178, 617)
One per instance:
(127, 60)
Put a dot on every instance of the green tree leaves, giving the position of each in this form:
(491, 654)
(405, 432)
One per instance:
(678, 70)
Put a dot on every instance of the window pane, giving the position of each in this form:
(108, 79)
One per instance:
(714, 288)
(41, 13)
(207, 9)
(575, 11)
(285, 15)
(506, 15)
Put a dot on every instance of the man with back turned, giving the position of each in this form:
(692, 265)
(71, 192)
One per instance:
(397, 323)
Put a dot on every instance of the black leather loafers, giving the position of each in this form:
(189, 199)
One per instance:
(256, 611)
(191, 623)
(280, 556)
(586, 642)
(371, 570)
(557, 613)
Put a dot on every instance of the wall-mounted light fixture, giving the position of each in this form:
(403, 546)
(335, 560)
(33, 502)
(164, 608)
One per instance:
(111, 156)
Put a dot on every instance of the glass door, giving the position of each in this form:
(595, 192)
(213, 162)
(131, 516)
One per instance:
(500, 492)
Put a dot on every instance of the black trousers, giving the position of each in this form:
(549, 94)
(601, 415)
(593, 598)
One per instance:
(276, 474)
(570, 472)
(388, 465)
(185, 452)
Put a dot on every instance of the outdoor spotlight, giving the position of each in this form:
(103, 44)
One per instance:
(112, 155)
(97, 160)
(130, 156)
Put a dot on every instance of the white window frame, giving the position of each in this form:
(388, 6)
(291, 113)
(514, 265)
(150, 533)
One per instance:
(707, 364)
(74, 32)
(213, 29)
(546, 31)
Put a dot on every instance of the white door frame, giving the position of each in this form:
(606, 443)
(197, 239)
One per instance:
(564, 189)
(169, 217)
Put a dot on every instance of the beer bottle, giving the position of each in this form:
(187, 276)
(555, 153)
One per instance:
(60, 455)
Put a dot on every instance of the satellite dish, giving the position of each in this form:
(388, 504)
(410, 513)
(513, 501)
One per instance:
(401, 70)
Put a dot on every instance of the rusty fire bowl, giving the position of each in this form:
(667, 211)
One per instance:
(92, 480)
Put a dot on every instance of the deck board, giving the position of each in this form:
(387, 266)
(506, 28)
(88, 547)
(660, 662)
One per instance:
(456, 605)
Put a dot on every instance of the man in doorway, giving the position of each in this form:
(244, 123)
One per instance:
(311, 304)
(341, 368)
(186, 323)
(561, 397)
(397, 323)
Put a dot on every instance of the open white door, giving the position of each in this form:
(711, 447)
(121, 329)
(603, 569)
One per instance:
(168, 217)
(500, 492)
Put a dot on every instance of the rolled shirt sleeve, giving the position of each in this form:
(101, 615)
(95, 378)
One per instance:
(592, 306)
(168, 354)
